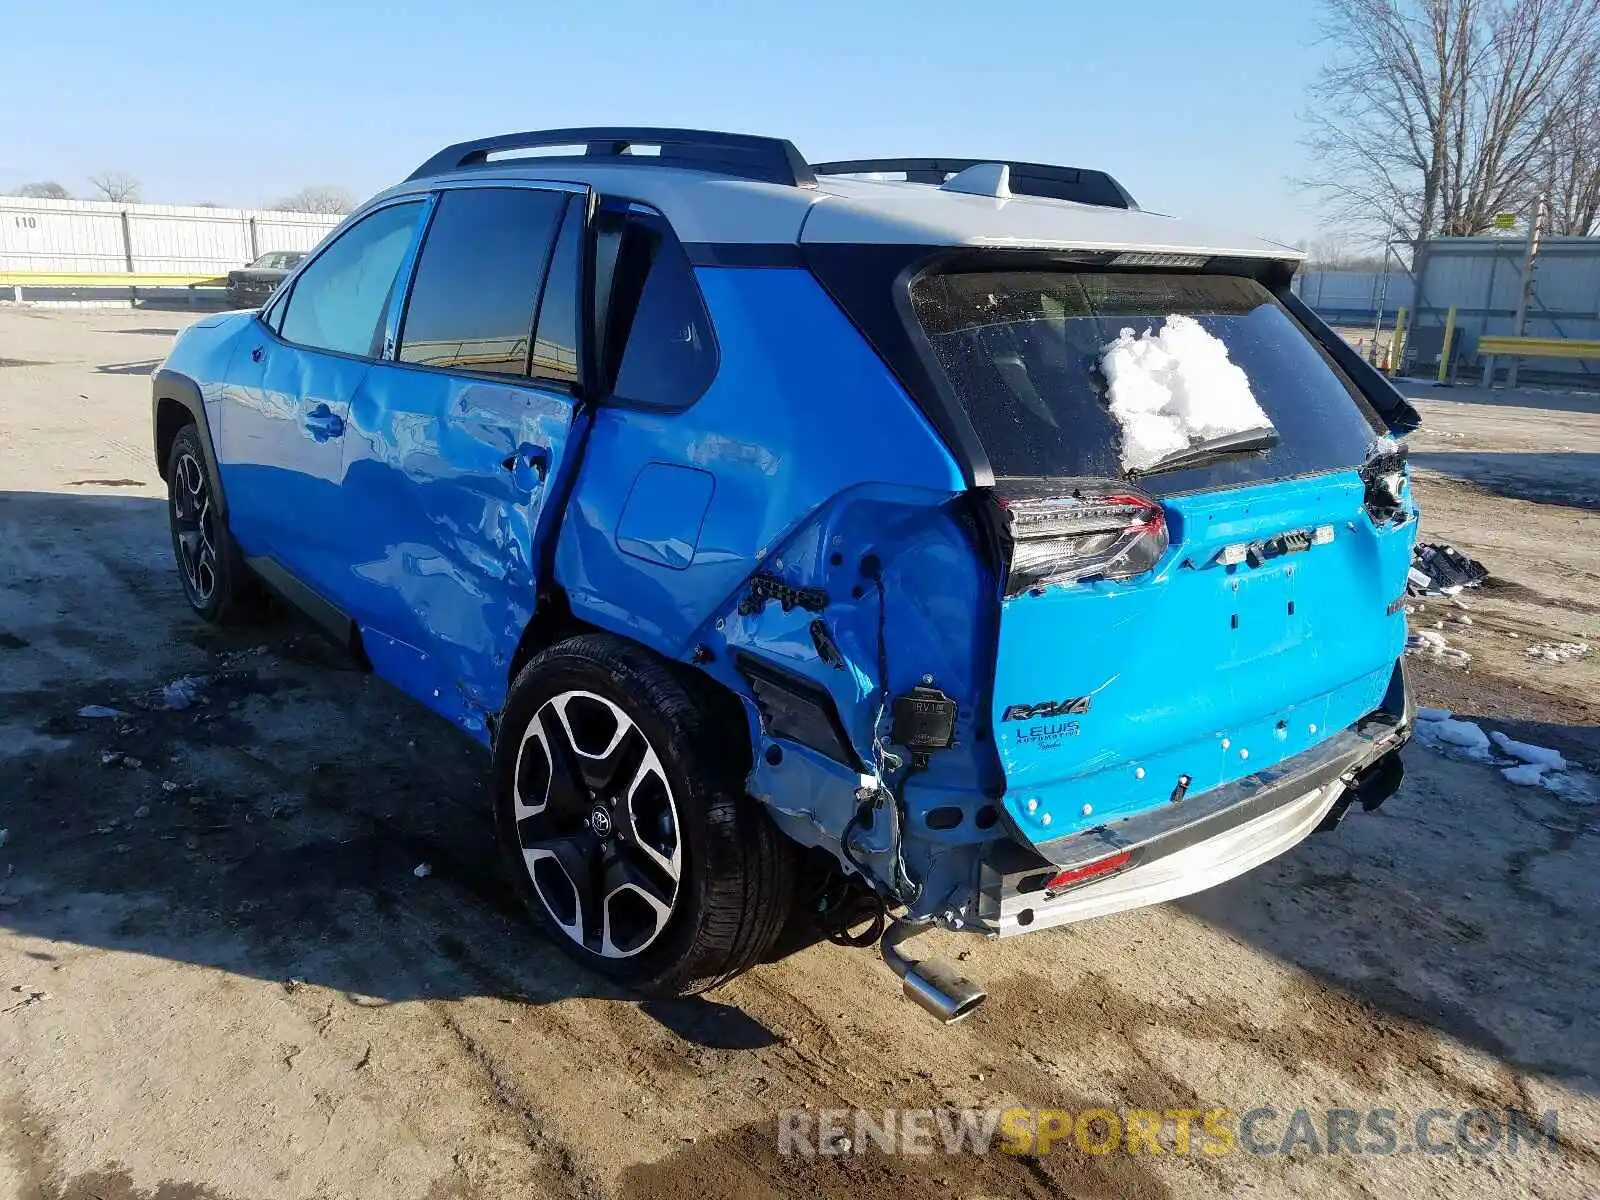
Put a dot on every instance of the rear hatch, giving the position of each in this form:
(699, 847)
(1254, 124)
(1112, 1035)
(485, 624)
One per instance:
(1201, 567)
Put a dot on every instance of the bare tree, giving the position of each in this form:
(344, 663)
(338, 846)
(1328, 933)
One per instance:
(1330, 252)
(1434, 115)
(1570, 178)
(319, 198)
(46, 189)
(117, 186)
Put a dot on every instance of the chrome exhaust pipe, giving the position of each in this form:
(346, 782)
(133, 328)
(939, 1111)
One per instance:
(936, 986)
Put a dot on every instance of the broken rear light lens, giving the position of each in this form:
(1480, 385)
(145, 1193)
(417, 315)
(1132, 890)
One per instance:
(1101, 866)
(1085, 534)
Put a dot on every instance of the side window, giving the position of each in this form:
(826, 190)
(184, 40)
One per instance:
(478, 278)
(338, 303)
(658, 345)
(555, 341)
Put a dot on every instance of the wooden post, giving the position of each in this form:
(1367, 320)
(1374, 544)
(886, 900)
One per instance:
(1397, 341)
(1449, 340)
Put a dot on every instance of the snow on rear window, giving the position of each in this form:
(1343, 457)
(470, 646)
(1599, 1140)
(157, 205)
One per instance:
(1024, 354)
(1175, 387)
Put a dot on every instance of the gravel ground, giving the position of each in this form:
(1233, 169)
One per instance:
(219, 976)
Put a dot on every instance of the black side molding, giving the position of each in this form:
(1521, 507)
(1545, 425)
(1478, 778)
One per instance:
(325, 613)
(175, 402)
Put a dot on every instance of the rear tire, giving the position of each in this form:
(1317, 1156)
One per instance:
(620, 807)
(215, 580)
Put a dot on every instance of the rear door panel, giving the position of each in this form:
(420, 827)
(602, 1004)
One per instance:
(443, 563)
(453, 448)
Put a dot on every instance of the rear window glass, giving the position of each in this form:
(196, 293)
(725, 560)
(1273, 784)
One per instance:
(658, 348)
(1024, 353)
(478, 278)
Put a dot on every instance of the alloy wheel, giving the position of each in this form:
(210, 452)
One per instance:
(597, 824)
(194, 521)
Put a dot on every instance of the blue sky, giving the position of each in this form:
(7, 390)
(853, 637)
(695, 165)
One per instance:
(1193, 105)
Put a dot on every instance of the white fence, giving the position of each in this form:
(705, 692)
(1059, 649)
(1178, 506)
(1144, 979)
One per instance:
(98, 236)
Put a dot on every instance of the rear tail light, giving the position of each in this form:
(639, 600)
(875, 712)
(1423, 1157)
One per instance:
(1384, 474)
(1086, 534)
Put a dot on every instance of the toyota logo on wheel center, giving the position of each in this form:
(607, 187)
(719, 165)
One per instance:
(600, 821)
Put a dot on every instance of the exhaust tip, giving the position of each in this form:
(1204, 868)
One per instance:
(942, 991)
(935, 986)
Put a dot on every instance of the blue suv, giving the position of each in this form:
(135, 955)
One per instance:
(898, 543)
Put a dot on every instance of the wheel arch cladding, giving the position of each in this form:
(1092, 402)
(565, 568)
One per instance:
(170, 416)
(176, 402)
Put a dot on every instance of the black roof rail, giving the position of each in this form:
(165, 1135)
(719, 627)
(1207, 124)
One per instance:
(1027, 179)
(740, 155)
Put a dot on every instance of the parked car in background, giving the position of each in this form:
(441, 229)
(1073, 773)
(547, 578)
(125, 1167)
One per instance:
(984, 550)
(250, 287)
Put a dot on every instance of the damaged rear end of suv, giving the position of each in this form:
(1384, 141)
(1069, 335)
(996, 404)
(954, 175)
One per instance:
(917, 542)
(1157, 641)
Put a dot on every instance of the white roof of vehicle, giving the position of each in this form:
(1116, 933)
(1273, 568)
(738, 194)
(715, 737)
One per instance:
(706, 207)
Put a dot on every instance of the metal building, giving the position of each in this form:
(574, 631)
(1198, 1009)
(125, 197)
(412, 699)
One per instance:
(1481, 278)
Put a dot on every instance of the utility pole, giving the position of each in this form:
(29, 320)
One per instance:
(1383, 298)
(1530, 258)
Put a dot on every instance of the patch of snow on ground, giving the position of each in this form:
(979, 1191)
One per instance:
(1431, 642)
(1175, 386)
(1558, 652)
(1540, 766)
(1536, 755)
(1527, 775)
(1461, 736)
(1572, 785)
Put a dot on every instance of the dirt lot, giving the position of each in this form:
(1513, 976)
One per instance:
(219, 976)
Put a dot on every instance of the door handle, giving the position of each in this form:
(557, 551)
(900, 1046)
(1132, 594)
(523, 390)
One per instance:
(324, 423)
(534, 460)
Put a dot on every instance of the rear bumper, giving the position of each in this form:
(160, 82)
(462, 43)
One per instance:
(1186, 847)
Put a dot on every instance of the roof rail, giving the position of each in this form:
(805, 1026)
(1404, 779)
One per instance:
(740, 155)
(1027, 179)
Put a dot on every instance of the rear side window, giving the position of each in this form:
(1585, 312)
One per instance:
(657, 345)
(478, 278)
(339, 301)
(555, 341)
(1023, 352)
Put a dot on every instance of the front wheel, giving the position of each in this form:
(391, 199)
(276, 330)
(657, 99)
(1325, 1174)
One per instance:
(620, 809)
(215, 580)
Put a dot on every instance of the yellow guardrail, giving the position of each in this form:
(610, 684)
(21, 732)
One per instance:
(1494, 345)
(107, 279)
